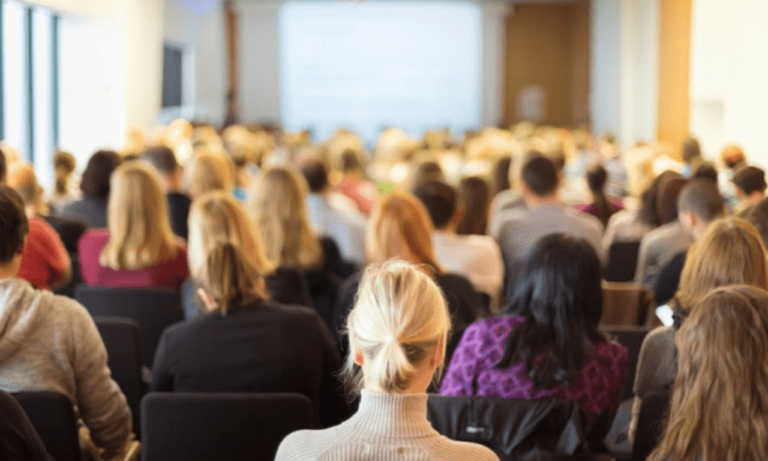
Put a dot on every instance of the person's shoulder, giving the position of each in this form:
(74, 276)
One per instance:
(613, 352)
(95, 235)
(453, 449)
(305, 445)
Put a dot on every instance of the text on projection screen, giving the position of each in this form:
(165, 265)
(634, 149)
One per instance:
(366, 66)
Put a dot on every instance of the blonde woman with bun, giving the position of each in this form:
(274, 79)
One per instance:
(216, 217)
(398, 330)
(247, 343)
(138, 249)
(719, 408)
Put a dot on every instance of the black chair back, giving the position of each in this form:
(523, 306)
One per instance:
(53, 417)
(622, 261)
(121, 339)
(153, 309)
(202, 427)
(515, 430)
(650, 424)
(631, 338)
(68, 290)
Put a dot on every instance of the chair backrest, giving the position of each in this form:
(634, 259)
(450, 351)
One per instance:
(626, 304)
(197, 427)
(121, 339)
(153, 309)
(650, 424)
(68, 290)
(631, 338)
(53, 417)
(622, 261)
(513, 429)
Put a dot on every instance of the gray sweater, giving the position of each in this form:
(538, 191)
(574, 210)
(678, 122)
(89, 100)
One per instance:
(386, 427)
(50, 343)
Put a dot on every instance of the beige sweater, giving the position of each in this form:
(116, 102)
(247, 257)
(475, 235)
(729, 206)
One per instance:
(386, 427)
(50, 343)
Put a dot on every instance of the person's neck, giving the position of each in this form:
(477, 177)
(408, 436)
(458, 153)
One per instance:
(534, 201)
(447, 229)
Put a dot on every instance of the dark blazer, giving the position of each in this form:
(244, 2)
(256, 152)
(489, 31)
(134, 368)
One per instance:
(178, 211)
(263, 347)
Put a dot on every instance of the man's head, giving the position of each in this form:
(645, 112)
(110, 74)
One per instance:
(699, 204)
(439, 198)
(165, 162)
(14, 228)
(750, 182)
(691, 150)
(540, 177)
(24, 182)
(316, 175)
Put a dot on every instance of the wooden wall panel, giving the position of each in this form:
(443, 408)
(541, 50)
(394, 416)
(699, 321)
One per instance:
(674, 70)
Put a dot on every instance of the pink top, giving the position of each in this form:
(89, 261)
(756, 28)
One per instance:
(45, 258)
(167, 274)
(597, 387)
(363, 193)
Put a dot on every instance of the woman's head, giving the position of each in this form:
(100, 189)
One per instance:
(229, 279)
(559, 293)
(400, 227)
(669, 187)
(217, 218)
(277, 201)
(95, 182)
(210, 170)
(398, 326)
(475, 202)
(730, 253)
(720, 397)
(64, 166)
(138, 220)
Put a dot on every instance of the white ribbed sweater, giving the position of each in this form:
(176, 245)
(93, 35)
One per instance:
(387, 427)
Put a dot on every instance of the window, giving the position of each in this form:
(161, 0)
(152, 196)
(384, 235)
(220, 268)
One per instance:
(173, 57)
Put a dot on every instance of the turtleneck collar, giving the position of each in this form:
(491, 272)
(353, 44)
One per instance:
(392, 415)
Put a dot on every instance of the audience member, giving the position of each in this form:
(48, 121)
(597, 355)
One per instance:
(730, 253)
(332, 214)
(691, 152)
(249, 344)
(632, 225)
(545, 214)
(64, 191)
(171, 178)
(548, 344)
(18, 439)
(509, 199)
(699, 205)
(750, 187)
(353, 183)
(476, 257)
(216, 218)
(732, 159)
(50, 342)
(139, 249)
(91, 210)
(663, 243)
(758, 217)
(45, 261)
(719, 402)
(500, 175)
(602, 206)
(425, 171)
(209, 170)
(617, 182)
(398, 331)
(705, 170)
(474, 196)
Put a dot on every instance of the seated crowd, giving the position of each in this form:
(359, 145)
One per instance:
(486, 258)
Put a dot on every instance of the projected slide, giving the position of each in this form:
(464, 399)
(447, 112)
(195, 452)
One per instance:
(366, 66)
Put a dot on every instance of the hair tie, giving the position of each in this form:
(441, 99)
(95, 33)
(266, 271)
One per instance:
(392, 339)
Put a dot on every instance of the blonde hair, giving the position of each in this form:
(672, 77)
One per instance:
(400, 316)
(209, 170)
(719, 408)
(140, 232)
(730, 253)
(229, 277)
(276, 200)
(400, 227)
(216, 217)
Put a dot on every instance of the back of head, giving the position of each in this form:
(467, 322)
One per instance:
(730, 253)
(705, 170)
(162, 158)
(210, 170)
(540, 176)
(64, 166)
(316, 174)
(670, 185)
(229, 278)
(95, 182)
(439, 198)
(349, 161)
(138, 220)
(691, 150)
(719, 406)
(425, 171)
(475, 199)
(503, 174)
(399, 319)
(750, 179)
(758, 217)
(14, 225)
(560, 295)
(732, 155)
(24, 181)
(702, 198)
(216, 217)
(399, 227)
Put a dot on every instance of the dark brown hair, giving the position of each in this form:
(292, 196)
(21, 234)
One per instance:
(14, 225)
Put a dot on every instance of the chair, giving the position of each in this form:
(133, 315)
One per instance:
(514, 429)
(68, 290)
(622, 261)
(53, 417)
(121, 339)
(153, 309)
(632, 338)
(626, 304)
(650, 424)
(197, 427)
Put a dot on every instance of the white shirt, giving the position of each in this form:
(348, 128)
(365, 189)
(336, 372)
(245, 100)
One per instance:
(476, 257)
(331, 218)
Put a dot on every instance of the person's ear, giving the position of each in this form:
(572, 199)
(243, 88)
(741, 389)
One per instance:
(359, 357)
(687, 219)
